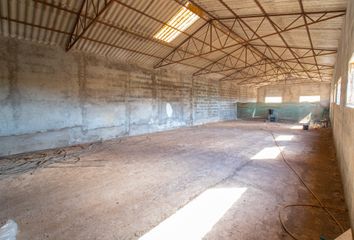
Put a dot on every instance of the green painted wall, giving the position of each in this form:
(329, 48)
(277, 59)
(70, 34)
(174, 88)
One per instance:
(285, 111)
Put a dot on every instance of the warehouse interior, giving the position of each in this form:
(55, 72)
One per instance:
(177, 119)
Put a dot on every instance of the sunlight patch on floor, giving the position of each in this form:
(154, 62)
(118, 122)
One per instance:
(284, 138)
(197, 218)
(267, 153)
(306, 119)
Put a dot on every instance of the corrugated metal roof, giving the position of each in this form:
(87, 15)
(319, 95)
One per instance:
(126, 28)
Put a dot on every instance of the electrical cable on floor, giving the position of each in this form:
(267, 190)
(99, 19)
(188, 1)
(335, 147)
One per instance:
(21, 164)
(30, 162)
(27, 162)
(321, 205)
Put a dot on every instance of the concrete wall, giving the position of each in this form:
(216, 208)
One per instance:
(294, 112)
(248, 94)
(50, 98)
(343, 117)
(291, 93)
(290, 109)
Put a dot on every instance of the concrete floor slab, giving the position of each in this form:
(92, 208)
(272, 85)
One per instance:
(226, 180)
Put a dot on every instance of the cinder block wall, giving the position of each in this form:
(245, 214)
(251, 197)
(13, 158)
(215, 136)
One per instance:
(291, 92)
(50, 98)
(290, 109)
(343, 117)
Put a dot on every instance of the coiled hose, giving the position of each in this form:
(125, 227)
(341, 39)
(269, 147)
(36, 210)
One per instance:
(320, 205)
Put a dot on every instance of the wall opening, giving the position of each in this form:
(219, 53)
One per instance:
(273, 99)
(316, 98)
(338, 91)
(350, 84)
(333, 94)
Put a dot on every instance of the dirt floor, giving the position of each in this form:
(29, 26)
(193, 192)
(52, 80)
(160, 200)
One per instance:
(218, 181)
